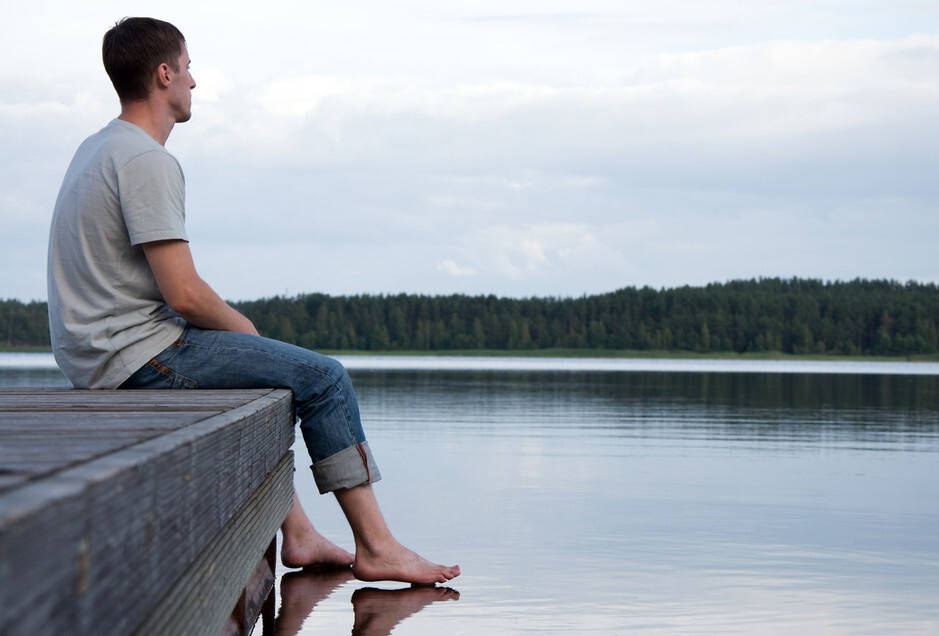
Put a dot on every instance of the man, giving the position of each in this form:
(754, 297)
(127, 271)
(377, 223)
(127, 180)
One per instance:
(127, 308)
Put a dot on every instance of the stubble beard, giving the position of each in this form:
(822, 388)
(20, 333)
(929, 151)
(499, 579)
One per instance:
(184, 115)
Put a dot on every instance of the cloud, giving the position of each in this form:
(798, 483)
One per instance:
(716, 110)
(453, 269)
(211, 84)
(540, 252)
(549, 151)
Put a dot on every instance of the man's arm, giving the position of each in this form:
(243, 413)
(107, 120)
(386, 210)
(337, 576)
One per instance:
(186, 293)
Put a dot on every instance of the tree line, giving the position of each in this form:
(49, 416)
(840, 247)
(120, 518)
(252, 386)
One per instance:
(799, 316)
(23, 324)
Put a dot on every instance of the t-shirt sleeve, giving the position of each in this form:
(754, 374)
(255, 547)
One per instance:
(152, 194)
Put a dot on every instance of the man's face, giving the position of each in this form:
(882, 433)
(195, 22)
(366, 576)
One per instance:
(181, 88)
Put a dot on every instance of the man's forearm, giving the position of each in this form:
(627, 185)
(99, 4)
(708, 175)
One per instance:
(185, 291)
(205, 309)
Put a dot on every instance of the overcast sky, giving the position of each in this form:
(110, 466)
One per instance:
(523, 148)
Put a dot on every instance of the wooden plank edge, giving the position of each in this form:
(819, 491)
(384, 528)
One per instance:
(33, 496)
(202, 599)
(123, 401)
(72, 491)
(255, 597)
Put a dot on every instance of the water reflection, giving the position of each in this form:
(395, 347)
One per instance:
(376, 611)
(668, 502)
(763, 410)
(32, 378)
(656, 502)
(712, 389)
(301, 592)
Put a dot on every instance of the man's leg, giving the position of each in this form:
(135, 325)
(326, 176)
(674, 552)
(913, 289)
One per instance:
(225, 360)
(303, 546)
(378, 555)
(342, 461)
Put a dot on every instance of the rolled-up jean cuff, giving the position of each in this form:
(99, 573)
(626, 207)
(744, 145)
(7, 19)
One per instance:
(352, 466)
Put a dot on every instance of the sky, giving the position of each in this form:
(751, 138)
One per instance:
(546, 148)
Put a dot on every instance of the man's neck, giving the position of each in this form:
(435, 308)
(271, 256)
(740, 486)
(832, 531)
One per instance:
(144, 115)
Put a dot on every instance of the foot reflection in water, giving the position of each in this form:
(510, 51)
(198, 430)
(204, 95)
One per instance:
(377, 611)
(300, 592)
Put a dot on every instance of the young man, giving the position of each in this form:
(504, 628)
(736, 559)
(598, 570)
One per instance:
(127, 308)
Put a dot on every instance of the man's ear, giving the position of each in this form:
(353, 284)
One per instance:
(163, 74)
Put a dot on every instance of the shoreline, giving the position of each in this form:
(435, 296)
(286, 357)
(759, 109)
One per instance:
(593, 353)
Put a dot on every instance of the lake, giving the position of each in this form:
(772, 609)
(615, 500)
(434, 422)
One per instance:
(656, 497)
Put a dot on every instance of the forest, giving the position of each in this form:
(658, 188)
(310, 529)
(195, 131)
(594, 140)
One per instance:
(795, 316)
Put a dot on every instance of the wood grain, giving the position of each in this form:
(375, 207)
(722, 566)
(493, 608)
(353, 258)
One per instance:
(202, 600)
(98, 523)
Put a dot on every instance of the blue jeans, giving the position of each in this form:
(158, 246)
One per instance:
(323, 396)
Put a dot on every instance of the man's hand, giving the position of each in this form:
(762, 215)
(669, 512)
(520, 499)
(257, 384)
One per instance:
(186, 293)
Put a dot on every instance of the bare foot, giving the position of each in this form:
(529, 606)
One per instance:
(378, 611)
(394, 562)
(311, 549)
(299, 594)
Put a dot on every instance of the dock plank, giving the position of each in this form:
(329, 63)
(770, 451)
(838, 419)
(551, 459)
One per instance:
(34, 445)
(51, 400)
(202, 600)
(95, 545)
(45, 421)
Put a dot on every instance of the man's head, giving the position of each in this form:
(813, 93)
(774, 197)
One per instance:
(136, 49)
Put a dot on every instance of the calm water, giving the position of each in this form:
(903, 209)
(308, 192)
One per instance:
(605, 502)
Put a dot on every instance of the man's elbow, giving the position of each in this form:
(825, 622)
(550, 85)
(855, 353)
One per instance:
(184, 300)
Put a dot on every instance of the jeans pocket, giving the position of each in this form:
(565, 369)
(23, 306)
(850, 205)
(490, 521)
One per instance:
(176, 380)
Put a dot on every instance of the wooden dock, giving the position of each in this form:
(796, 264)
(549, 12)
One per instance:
(147, 512)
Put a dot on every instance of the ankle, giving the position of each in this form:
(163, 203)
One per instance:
(376, 544)
(296, 531)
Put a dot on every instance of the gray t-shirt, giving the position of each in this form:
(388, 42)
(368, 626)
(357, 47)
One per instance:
(107, 317)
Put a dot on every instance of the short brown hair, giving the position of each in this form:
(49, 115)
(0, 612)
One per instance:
(133, 48)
